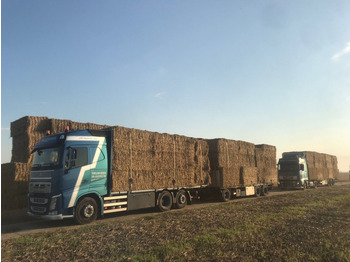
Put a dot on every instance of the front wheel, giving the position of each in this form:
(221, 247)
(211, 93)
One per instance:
(85, 211)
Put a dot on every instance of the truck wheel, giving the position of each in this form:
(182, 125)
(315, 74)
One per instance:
(181, 199)
(165, 201)
(225, 195)
(85, 211)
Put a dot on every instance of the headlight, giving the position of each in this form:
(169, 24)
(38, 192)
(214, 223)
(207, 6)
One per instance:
(54, 202)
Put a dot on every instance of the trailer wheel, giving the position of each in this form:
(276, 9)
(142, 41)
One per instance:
(258, 191)
(264, 190)
(165, 201)
(181, 199)
(85, 211)
(225, 195)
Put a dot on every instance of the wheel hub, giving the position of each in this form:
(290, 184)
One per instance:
(182, 199)
(88, 210)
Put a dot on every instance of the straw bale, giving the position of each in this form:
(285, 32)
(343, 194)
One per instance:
(233, 163)
(14, 185)
(266, 164)
(150, 160)
(59, 125)
(26, 132)
(321, 166)
(250, 176)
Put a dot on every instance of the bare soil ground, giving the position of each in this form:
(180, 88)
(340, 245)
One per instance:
(311, 225)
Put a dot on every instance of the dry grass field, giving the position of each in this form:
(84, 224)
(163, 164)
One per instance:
(311, 225)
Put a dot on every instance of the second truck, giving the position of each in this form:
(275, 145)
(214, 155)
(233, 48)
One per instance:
(306, 169)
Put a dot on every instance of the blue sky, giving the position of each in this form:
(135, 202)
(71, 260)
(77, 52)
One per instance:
(273, 72)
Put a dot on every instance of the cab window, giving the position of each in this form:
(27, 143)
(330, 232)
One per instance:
(76, 157)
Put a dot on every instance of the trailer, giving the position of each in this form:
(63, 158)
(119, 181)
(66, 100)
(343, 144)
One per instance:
(84, 174)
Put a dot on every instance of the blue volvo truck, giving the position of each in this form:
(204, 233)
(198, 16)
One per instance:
(71, 177)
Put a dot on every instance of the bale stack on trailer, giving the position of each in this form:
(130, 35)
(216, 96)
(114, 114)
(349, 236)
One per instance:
(332, 167)
(266, 163)
(232, 163)
(148, 160)
(321, 166)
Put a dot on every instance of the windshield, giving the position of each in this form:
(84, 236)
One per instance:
(48, 158)
(289, 166)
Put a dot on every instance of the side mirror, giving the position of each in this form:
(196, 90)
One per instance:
(70, 159)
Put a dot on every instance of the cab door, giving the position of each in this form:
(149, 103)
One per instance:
(76, 178)
(99, 170)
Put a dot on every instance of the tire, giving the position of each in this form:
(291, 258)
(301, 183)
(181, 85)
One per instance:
(264, 190)
(86, 211)
(165, 201)
(225, 195)
(181, 199)
(258, 191)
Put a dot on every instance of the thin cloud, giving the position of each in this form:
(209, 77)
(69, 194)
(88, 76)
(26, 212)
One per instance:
(159, 95)
(348, 100)
(342, 53)
(5, 129)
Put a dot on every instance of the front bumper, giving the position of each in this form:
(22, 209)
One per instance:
(50, 217)
(290, 185)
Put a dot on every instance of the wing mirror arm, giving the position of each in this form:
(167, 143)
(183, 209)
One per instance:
(69, 162)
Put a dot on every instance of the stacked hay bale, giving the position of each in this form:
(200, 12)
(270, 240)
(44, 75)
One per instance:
(59, 125)
(148, 160)
(233, 163)
(26, 132)
(334, 167)
(321, 166)
(14, 185)
(266, 163)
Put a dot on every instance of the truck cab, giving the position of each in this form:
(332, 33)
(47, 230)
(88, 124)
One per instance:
(69, 168)
(293, 171)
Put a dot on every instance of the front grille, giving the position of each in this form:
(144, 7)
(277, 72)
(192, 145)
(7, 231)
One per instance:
(38, 209)
(39, 200)
(39, 187)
